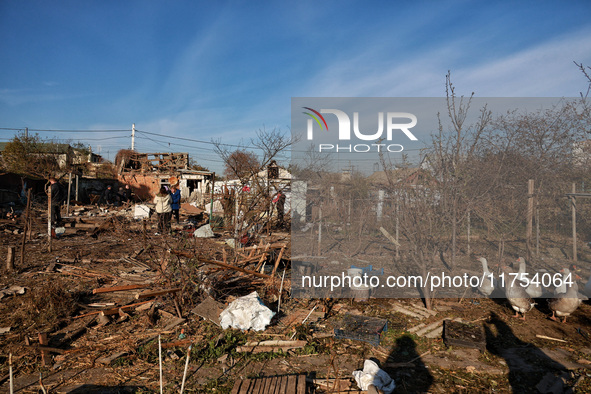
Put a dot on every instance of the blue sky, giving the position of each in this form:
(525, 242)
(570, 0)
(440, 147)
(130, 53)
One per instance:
(203, 70)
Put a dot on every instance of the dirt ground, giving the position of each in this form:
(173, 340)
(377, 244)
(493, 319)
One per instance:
(117, 351)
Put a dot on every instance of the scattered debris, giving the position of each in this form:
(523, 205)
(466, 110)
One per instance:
(361, 328)
(374, 376)
(271, 346)
(12, 290)
(209, 309)
(204, 232)
(464, 334)
(245, 313)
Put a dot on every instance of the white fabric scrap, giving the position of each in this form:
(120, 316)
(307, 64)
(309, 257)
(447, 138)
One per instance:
(246, 313)
(372, 374)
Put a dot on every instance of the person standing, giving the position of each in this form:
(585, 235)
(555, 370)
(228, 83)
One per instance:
(164, 210)
(127, 193)
(175, 201)
(57, 197)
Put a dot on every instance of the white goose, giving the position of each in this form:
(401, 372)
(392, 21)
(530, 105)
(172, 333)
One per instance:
(566, 275)
(565, 303)
(517, 296)
(534, 290)
(488, 284)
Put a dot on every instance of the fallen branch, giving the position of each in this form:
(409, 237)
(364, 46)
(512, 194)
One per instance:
(550, 338)
(118, 288)
(221, 264)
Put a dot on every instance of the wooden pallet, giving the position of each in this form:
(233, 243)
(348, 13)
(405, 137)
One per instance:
(285, 384)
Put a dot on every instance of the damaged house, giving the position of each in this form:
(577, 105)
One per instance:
(147, 172)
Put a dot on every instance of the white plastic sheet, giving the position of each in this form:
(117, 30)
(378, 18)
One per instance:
(372, 374)
(204, 232)
(246, 313)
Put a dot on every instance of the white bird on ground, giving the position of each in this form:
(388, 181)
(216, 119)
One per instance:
(488, 284)
(520, 301)
(566, 277)
(565, 303)
(534, 290)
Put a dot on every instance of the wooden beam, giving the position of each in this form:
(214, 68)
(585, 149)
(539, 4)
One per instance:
(277, 261)
(44, 353)
(118, 288)
(156, 293)
(390, 237)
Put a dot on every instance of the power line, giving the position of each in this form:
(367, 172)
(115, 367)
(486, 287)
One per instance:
(81, 131)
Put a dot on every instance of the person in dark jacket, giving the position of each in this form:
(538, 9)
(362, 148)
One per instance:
(109, 197)
(57, 197)
(127, 193)
(175, 201)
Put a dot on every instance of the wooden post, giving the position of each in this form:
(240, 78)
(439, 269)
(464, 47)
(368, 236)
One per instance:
(144, 232)
(49, 218)
(77, 179)
(574, 220)
(530, 215)
(69, 191)
(319, 228)
(44, 353)
(468, 220)
(397, 234)
(10, 259)
(27, 218)
(211, 204)
(537, 228)
(349, 212)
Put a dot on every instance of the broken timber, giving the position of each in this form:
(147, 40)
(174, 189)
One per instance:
(112, 311)
(156, 293)
(270, 346)
(223, 265)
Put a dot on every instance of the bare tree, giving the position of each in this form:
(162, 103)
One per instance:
(241, 164)
(451, 157)
(254, 205)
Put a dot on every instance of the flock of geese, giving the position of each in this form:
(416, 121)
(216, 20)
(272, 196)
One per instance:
(563, 299)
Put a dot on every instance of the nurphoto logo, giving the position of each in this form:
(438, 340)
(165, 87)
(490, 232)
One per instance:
(395, 121)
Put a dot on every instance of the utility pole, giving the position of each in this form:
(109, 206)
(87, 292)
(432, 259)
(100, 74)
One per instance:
(26, 132)
(133, 136)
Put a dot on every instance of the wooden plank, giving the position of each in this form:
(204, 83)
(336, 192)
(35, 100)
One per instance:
(112, 311)
(266, 385)
(156, 293)
(236, 387)
(282, 385)
(109, 359)
(259, 386)
(291, 384)
(272, 385)
(244, 388)
(390, 237)
(43, 342)
(301, 387)
(277, 261)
